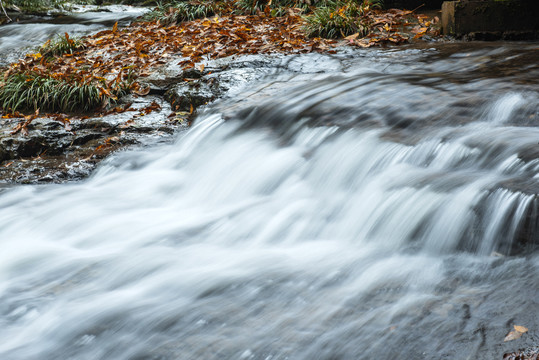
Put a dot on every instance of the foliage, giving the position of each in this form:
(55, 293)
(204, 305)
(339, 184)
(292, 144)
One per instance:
(22, 92)
(277, 7)
(254, 6)
(62, 77)
(178, 11)
(34, 5)
(338, 18)
(61, 45)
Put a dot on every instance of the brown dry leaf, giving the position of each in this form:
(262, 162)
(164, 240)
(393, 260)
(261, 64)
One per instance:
(352, 37)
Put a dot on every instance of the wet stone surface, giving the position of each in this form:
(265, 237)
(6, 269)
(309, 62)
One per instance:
(51, 152)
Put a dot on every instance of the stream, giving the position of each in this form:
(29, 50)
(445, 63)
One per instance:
(368, 204)
(24, 36)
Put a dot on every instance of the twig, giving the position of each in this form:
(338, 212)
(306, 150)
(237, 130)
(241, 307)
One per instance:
(420, 6)
(4, 9)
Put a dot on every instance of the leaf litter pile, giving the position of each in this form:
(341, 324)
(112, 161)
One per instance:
(91, 74)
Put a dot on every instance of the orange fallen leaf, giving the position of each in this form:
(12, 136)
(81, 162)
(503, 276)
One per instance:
(515, 334)
(520, 329)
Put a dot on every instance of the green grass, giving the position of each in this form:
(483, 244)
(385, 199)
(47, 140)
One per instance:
(25, 92)
(178, 11)
(277, 7)
(61, 45)
(339, 19)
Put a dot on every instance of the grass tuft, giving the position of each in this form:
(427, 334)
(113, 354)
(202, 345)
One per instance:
(277, 7)
(25, 92)
(61, 45)
(178, 11)
(339, 19)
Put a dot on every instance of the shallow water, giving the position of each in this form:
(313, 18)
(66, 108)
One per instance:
(347, 206)
(25, 36)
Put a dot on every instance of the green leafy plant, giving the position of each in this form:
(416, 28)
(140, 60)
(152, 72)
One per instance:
(339, 19)
(27, 91)
(61, 45)
(277, 7)
(179, 11)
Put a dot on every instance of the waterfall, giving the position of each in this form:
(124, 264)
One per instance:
(351, 216)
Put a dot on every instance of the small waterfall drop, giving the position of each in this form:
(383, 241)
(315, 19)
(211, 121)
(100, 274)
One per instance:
(351, 215)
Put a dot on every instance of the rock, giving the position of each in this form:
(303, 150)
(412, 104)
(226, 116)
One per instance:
(51, 153)
(189, 95)
(523, 354)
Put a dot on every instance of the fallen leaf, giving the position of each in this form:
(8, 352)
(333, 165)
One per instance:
(515, 334)
(512, 335)
(352, 37)
(520, 329)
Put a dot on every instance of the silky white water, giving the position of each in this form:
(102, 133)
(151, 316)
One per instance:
(286, 232)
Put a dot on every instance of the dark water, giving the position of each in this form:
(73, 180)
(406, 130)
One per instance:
(348, 206)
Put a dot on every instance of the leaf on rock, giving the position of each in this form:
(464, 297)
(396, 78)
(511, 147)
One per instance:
(512, 335)
(516, 333)
(352, 37)
(520, 329)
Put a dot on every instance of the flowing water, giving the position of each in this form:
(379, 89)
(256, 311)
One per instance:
(348, 206)
(26, 35)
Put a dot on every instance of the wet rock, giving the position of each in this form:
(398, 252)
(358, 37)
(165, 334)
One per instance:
(50, 152)
(190, 95)
(527, 239)
(523, 354)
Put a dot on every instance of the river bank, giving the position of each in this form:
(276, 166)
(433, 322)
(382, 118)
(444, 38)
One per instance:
(161, 62)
